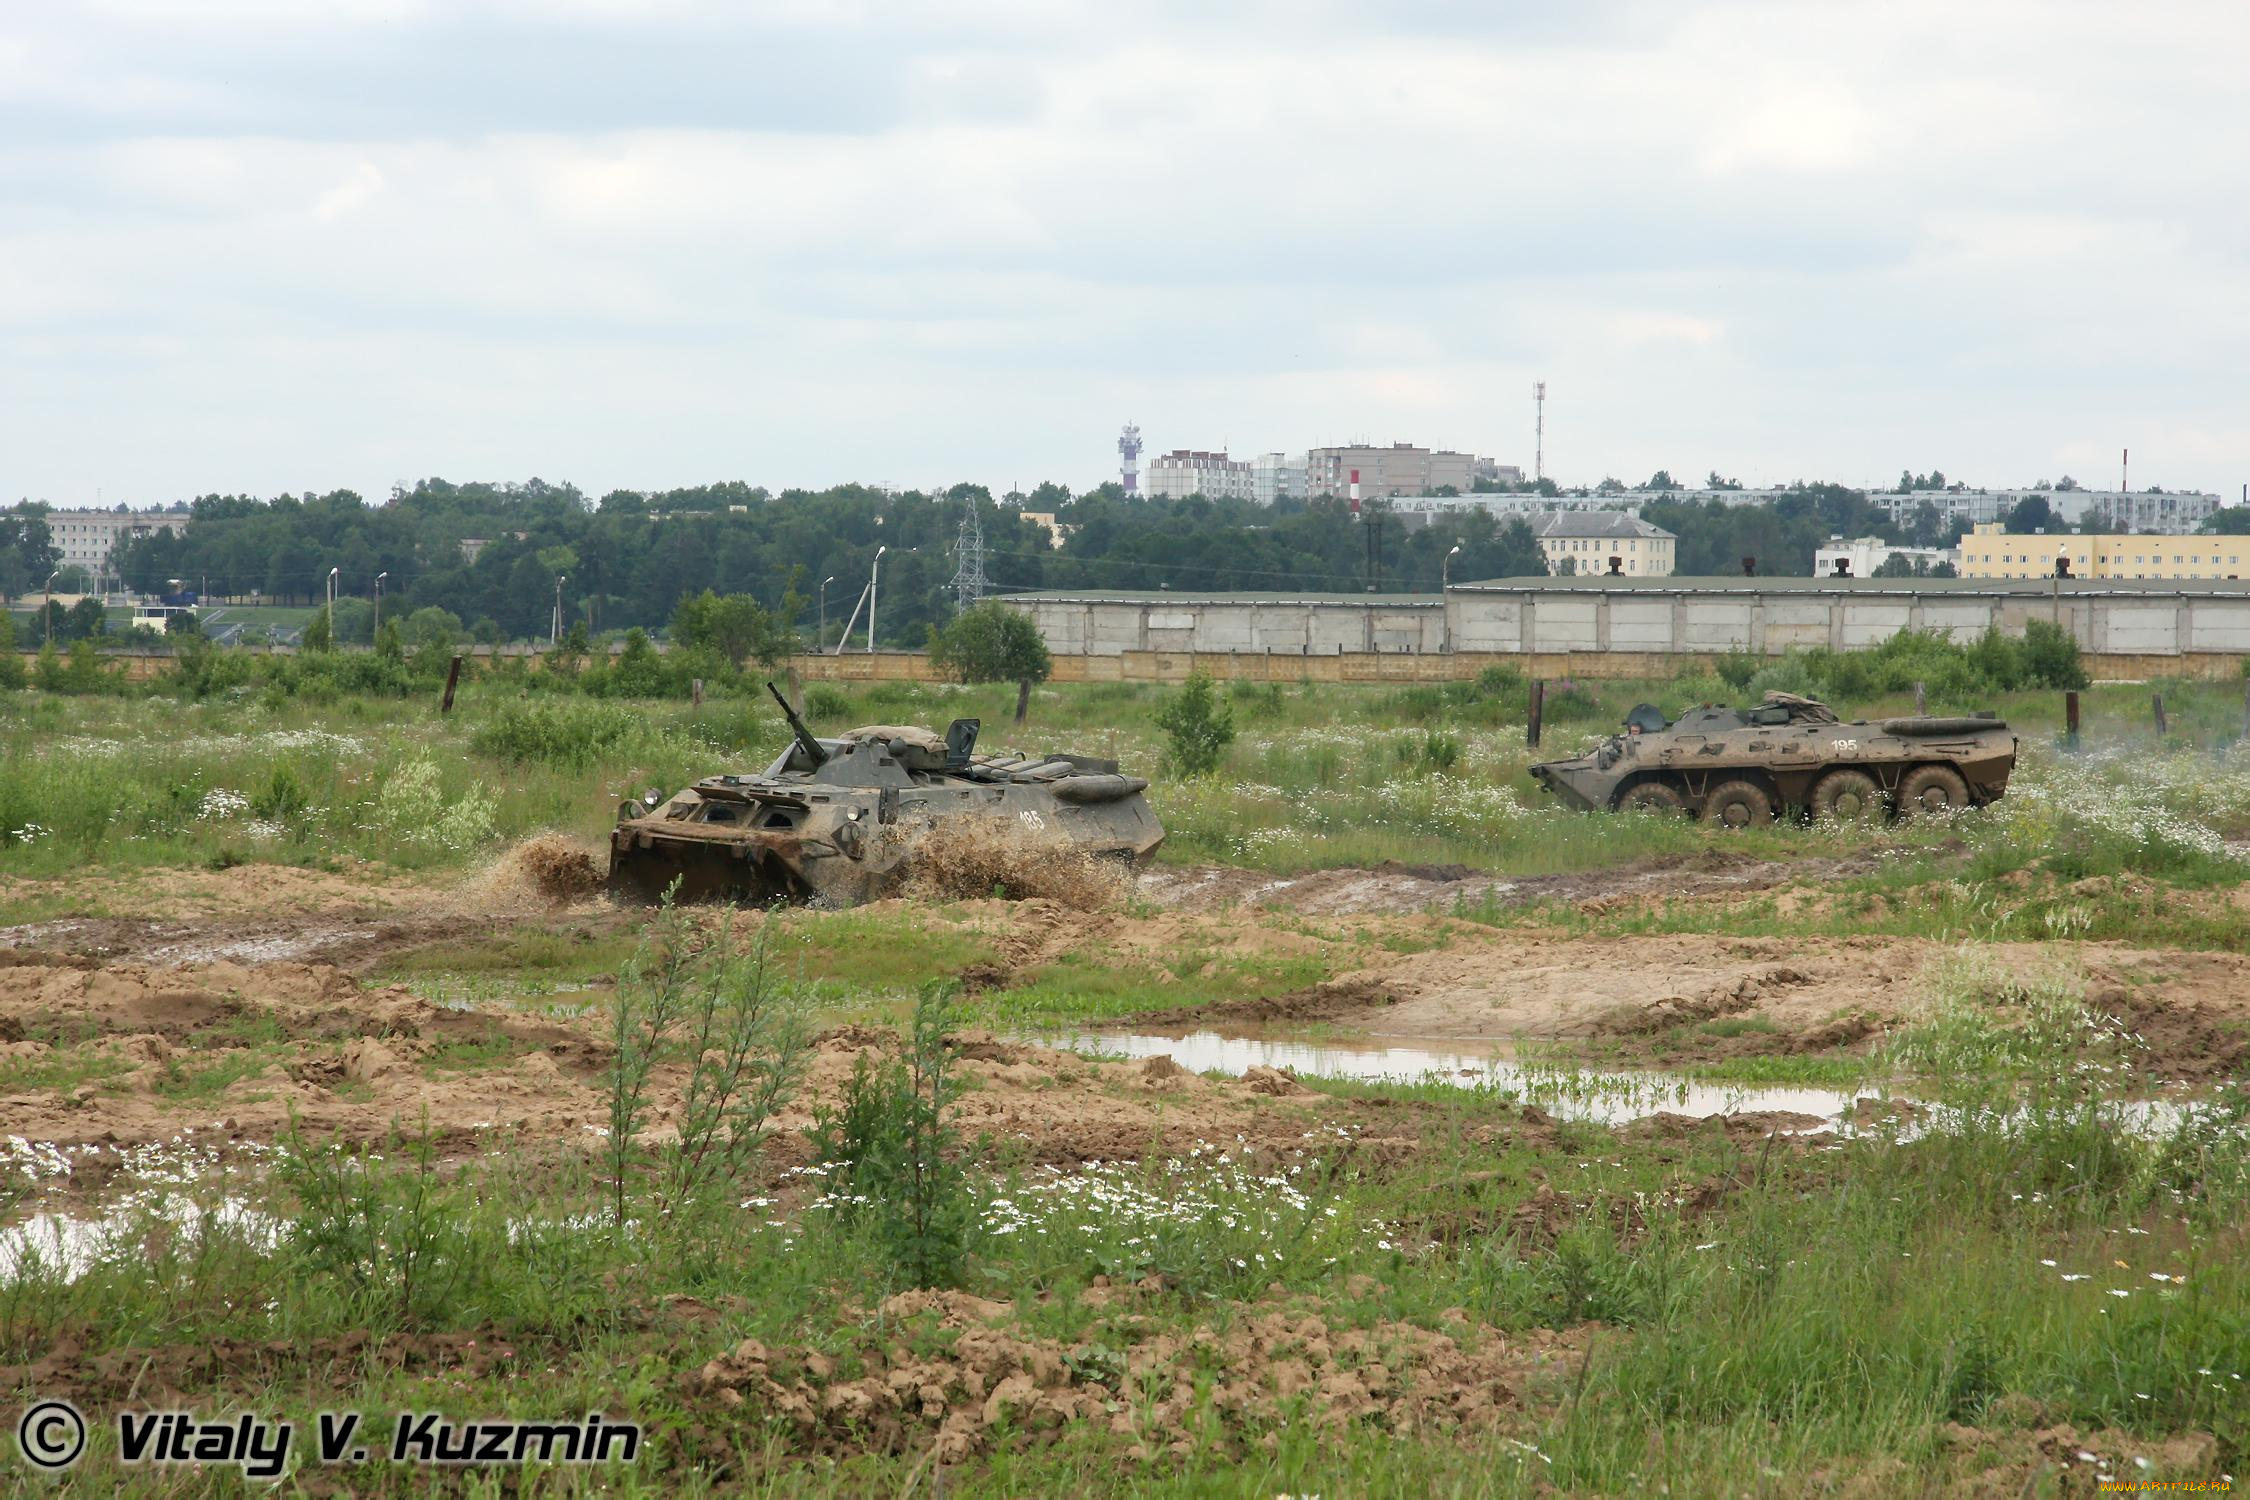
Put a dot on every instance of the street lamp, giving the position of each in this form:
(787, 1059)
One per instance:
(872, 571)
(379, 577)
(554, 635)
(831, 578)
(332, 572)
(1445, 608)
(47, 611)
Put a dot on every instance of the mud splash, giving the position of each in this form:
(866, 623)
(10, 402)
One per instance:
(966, 858)
(549, 870)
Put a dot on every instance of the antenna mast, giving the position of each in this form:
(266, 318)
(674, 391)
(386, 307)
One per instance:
(969, 582)
(1129, 448)
(1539, 430)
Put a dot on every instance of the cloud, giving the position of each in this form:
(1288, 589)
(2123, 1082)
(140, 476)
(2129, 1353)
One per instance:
(806, 242)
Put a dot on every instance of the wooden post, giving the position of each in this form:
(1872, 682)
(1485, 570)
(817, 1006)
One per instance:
(1921, 703)
(452, 681)
(2159, 706)
(1023, 701)
(1538, 704)
(2070, 719)
(695, 692)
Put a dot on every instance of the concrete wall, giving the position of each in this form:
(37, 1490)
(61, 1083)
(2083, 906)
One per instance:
(1768, 622)
(1114, 627)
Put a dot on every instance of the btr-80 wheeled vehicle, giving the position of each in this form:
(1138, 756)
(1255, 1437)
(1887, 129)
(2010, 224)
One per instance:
(838, 820)
(1739, 766)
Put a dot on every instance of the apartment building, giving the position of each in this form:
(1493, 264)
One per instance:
(1277, 476)
(84, 538)
(1990, 552)
(1400, 469)
(1189, 471)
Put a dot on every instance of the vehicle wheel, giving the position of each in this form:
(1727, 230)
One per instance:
(1737, 804)
(1652, 797)
(1847, 797)
(1931, 789)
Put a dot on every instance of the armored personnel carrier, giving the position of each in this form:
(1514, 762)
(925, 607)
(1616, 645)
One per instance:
(837, 820)
(1740, 766)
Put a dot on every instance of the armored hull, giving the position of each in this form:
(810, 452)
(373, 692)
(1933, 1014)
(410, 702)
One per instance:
(1739, 766)
(838, 820)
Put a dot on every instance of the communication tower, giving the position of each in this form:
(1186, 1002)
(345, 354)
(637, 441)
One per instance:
(1129, 448)
(969, 582)
(1539, 430)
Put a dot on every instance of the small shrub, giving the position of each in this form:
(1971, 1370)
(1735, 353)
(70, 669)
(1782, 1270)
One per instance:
(389, 1239)
(2050, 655)
(1501, 680)
(683, 998)
(900, 1152)
(567, 734)
(1567, 701)
(284, 794)
(825, 702)
(1197, 727)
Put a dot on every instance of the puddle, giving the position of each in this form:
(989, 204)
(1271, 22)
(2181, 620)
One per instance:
(1568, 1093)
(66, 1246)
(1605, 1097)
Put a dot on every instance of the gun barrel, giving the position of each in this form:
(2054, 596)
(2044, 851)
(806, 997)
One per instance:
(805, 740)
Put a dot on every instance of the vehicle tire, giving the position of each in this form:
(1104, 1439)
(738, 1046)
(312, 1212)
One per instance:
(1847, 797)
(1931, 789)
(1738, 804)
(1652, 797)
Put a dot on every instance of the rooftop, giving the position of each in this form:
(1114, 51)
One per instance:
(1219, 596)
(1595, 523)
(1732, 584)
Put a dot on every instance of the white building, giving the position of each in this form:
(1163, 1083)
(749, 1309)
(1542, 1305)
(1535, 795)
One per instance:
(1862, 556)
(1277, 476)
(83, 538)
(2112, 510)
(1423, 510)
(1582, 542)
(1189, 471)
(1400, 469)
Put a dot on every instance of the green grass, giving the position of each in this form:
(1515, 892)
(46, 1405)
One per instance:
(1084, 988)
(536, 953)
(63, 1070)
(184, 1079)
(1813, 1315)
(474, 1054)
(1319, 776)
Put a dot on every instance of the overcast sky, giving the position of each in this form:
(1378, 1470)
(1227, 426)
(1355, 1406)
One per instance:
(255, 245)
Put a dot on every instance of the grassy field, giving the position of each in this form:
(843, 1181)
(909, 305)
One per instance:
(1413, 1288)
(1693, 1315)
(1317, 777)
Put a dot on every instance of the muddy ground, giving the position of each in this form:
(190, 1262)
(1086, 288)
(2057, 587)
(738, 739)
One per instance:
(232, 1007)
(237, 1001)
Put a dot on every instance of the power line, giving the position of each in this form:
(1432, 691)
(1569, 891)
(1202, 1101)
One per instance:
(969, 583)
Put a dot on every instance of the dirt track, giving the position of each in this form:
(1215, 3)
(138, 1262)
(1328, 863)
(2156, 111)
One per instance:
(237, 999)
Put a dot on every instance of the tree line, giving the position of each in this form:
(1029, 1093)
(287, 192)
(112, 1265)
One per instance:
(499, 557)
(493, 561)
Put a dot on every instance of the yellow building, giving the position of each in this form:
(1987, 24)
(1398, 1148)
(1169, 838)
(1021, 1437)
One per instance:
(1990, 552)
(1580, 542)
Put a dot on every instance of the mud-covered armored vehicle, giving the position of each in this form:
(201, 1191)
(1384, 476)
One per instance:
(838, 820)
(1739, 766)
